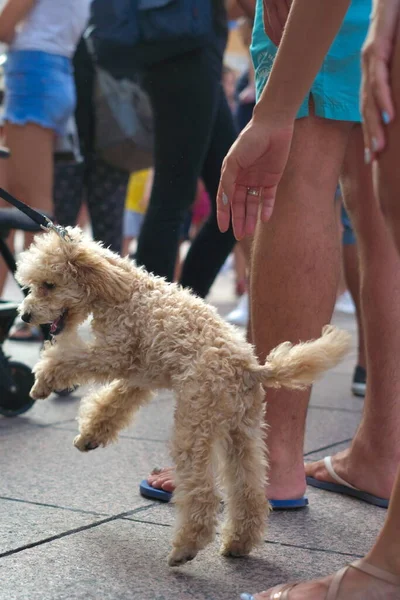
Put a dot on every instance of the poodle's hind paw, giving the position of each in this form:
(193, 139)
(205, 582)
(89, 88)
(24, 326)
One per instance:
(236, 548)
(85, 444)
(182, 555)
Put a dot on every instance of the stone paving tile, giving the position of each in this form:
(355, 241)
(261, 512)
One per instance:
(22, 523)
(124, 560)
(328, 427)
(43, 466)
(331, 522)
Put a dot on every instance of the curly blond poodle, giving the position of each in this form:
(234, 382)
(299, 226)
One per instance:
(149, 334)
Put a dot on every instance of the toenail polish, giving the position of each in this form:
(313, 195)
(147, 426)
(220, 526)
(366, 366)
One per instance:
(246, 597)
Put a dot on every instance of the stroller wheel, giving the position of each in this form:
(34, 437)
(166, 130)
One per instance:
(17, 401)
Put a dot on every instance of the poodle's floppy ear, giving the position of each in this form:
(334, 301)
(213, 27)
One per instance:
(102, 279)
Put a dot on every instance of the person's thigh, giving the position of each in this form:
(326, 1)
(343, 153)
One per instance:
(30, 165)
(358, 194)
(296, 255)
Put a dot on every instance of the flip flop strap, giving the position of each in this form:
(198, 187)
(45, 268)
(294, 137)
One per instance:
(376, 572)
(283, 592)
(335, 585)
(364, 567)
(334, 475)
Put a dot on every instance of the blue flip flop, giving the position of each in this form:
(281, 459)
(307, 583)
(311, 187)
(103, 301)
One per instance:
(289, 504)
(148, 491)
(343, 487)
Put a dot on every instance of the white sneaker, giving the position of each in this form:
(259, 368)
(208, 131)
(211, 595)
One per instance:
(345, 304)
(240, 315)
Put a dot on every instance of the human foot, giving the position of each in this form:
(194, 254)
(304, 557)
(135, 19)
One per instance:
(359, 473)
(288, 494)
(162, 479)
(360, 581)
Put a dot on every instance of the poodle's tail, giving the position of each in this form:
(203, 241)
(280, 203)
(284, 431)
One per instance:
(297, 366)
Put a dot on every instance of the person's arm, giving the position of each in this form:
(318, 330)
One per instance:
(13, 12)
(310, 30)
(254, 166)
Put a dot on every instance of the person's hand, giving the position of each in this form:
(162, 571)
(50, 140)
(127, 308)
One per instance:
(376, 97)
(250, 175)
(276, 13)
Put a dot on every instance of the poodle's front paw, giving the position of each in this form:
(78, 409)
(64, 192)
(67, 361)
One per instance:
(84, 444)
(182, 555)
(40, 390)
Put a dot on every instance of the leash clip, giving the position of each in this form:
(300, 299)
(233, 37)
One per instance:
(58, 229)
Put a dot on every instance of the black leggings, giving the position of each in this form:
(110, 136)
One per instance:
(194, 131)
(102, 187)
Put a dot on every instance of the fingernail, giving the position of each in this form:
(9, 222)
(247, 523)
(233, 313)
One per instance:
(224, 199)
(385, 117)
(374, 144)
(246, 597)
(367, 156)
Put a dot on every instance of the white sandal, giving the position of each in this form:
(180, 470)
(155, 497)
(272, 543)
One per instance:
(360, 565)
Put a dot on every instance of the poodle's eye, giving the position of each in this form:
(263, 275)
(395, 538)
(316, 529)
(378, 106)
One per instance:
(49, 286)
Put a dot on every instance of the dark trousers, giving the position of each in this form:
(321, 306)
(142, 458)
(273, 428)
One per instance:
(194, 130)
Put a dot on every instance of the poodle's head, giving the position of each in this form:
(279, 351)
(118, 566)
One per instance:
(67, 278)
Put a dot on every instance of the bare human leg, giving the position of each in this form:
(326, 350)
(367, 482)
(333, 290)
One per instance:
(30, 166)
(371, 462)
(294, 279)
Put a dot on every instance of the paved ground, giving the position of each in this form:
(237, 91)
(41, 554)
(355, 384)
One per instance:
(74, 526)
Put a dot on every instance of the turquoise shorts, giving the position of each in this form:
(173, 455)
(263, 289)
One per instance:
(336, 88)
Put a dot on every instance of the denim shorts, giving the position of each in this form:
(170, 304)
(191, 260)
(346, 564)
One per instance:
(336, 88)
(39, 88)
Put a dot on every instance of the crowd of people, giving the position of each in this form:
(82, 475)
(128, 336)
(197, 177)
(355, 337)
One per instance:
(307, 204)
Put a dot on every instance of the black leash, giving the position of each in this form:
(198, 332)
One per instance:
(33, 214)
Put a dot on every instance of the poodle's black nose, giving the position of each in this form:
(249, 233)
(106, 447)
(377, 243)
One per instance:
(26, 317)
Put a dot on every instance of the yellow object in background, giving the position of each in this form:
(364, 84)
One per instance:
(136, 191)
